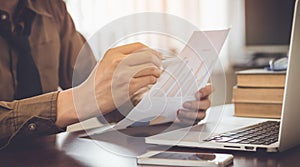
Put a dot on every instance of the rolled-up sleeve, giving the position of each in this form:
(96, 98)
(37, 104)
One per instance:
(28, 118)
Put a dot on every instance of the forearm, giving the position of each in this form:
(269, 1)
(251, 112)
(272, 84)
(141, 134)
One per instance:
(67, 113)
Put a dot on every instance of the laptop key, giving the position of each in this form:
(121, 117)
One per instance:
(209, 139)
(235, 141)
(255, 142)
(227, 134)
(224, 139)
(245, 142)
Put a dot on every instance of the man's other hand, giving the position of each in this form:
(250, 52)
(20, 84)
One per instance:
(195, 111)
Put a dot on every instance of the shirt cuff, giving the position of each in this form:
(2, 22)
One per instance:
(31, 117)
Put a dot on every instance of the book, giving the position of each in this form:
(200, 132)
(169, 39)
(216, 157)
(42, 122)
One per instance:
(261, 78)
(258, 110)
(257, 95)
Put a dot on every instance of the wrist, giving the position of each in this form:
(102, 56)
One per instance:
(66, 114)
(74, 105)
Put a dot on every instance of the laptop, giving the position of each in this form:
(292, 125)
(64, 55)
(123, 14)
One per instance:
(267, 135)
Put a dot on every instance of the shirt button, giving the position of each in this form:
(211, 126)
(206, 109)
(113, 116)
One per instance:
(32, 127)
(3, 17)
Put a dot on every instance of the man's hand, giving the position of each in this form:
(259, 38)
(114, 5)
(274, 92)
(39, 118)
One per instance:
(115, 80)
(194, 111)
(122, 72)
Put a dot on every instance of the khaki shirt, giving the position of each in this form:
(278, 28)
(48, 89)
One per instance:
(55, 45)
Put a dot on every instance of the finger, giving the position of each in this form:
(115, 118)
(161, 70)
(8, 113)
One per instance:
(154, 52)
(186, 122)
(204, 92)
(139, 94)
(151, 70)
(141, 82)
(142, 91)
(144, 57)
(191, 116)
(116, 59)
(140, 63)
(129, 48)
(197, 105)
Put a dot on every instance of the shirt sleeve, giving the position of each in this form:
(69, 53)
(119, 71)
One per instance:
(76, 57)
(26, 118)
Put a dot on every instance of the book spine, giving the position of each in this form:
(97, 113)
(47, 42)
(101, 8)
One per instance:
(258, 110)
(258, 95)
(262, 81)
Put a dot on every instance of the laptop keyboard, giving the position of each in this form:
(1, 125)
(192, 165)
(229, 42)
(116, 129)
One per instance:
(264, 133)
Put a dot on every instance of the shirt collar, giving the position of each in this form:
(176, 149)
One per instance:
(38, 7)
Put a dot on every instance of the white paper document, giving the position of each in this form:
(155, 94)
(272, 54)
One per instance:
(182, 77)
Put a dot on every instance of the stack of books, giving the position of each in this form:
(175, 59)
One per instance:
(259, 93)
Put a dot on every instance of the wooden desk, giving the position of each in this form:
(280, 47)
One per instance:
(69, 149)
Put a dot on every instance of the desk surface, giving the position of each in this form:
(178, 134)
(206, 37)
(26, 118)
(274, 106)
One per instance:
(70, 149)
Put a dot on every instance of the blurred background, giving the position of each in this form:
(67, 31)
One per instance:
(255, 25)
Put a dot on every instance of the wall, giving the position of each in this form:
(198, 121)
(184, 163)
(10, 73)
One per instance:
(91, 15)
